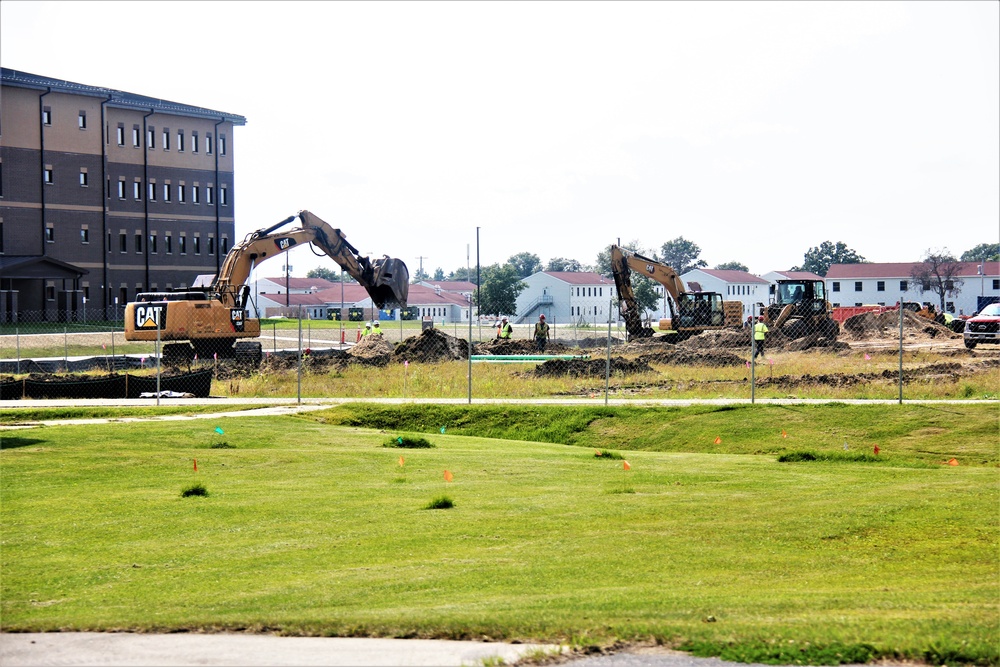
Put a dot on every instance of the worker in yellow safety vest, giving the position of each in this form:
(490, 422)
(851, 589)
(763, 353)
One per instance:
(505, 330)
(759, 334)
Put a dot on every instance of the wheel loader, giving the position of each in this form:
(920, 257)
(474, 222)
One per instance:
(215, 322)
(800, 308)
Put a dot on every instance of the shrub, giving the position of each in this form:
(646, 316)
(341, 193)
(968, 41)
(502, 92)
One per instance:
(194, 490)
(440, 503)
(407, 442)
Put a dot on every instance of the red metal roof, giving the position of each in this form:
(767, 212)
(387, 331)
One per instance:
(902, 270)
(731, 276)
(580, 277)
(799, 275)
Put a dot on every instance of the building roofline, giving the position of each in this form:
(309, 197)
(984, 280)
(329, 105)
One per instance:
(116, 98)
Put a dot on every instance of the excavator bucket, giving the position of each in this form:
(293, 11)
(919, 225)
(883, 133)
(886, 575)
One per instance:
(391, 285)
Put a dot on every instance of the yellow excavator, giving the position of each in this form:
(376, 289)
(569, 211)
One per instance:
(696, 311)
(215, 321)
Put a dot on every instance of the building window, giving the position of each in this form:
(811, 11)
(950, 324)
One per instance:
(208, 144)
(83, 178)
(49, 176)
(180, 140)
(996, 284)
(50, 234)
(152, 243)
(223, 200)
(180, 193)
(151, 192)
(903, 285)
(138, 243)
(50, 292)
(121, 134)
(208, 194)
(166, 139)
(166, 192)
(197, 245)
(194, 194)
(949, 285)
(136, 191)
(46, 115)
(135, 136)
(151, 137)
(858, 286)
(211, 245)
(182, 245)
(81, 120)
(880, 286)
(835, 287)
(168, 244)
(84, 235)
(121, 188)
(122, 242)
(224, 245)
(222, 144)
(194, 142)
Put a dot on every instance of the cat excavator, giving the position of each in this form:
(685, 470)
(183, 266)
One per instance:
(695, 312)
(215, 321)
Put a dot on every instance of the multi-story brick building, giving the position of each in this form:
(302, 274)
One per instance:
(104, 194)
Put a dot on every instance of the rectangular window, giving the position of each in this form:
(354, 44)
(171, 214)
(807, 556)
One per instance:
(84, 235)
(121, 188)
(121, 134)
(194, 142)
(211, 245)
(135, 136)
(222, 144)
(180, 140)
(996, 284)
(194, 194)
(122, 242)
(166, 192)
(208, 144)
(223, 200)
(224, 245)
(152, 243)
(151, 137)
(136, 191)
(81, 120)
(50, 234)
(138, 243)
(151, 192)
(880, 286)
(83, 178)
(836, 286)
(197, 245)
(208, 194)
(182, 245)
(858, 287)
(180, 193)
(903, 285)
(50, 292)
(949, 285)
(166, 139)
(46, 115)
(168, 244)
(49, 176)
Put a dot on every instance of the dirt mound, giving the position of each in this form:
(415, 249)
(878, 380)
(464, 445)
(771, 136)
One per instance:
(592, 367)
(520, 346)
(432, 346)
(867, 326)
(371, 351)
(740, 338)
(598, 342)
(684, 357)
(717, 338)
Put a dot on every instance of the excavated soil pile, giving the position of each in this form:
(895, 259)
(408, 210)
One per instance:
(432, 346)
(371, 351)
(714, 339)
(683, 357)
(520, 346)
(598, 342)
(592, 367)
(867, 326)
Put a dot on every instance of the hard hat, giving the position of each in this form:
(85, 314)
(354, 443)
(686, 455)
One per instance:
(541, 317)
(376, 324)
(368, 325)
(505, 319)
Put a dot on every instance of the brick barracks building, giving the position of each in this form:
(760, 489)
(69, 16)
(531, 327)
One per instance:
(104, 194)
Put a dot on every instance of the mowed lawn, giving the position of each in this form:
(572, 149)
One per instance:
(319, 529)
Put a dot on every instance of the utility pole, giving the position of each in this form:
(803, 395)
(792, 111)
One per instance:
(422, 264)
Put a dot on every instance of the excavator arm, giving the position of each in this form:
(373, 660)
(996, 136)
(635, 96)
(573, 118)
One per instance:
(623, 263)
(386, 280)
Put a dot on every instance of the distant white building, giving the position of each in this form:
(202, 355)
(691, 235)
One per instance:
(293, 286)
(566, 296)
(887, 283)
(740, 286)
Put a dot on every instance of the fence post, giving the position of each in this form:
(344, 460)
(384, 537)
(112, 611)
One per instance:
(17, 337)
(901, 350)
(299, 380)
(753, 357)
(66, 345)
(158, 363)
(607, 362)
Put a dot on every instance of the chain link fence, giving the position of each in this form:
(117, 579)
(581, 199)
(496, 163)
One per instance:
(858, 353)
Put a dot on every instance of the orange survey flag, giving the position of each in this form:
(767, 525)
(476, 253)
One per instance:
(401, 461)
(718, 439)
(626, 465)
(783, 434)
(953, 462)
(196, 465)
(597, 452)
(876, 450)
(447, 476)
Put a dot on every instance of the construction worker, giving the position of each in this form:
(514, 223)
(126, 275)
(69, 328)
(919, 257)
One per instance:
(505, 330)
(759, 334)
(541, 333)
(367, 330)
(376, 330)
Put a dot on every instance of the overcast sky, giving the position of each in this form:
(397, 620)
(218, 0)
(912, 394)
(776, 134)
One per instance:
(754, 129)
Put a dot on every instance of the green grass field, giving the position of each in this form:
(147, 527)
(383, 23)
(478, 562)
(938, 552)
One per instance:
(312, 526)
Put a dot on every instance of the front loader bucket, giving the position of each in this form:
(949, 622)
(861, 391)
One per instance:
(391, 285)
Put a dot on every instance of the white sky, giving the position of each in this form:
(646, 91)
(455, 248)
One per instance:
(755, 129)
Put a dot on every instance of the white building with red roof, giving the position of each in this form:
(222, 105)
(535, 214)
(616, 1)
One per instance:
(566, 296)
(740, 286)
(886, 283)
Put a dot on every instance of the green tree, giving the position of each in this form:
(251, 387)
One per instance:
(820, 258)
(603, 262)
(937, 273)
(498, 293)
(462, 273)
(984, 252)
(525, 263)
(732, 266)
(418, 276)
(439, 274)
(681, 255)
(325, 273)
(563, 264)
